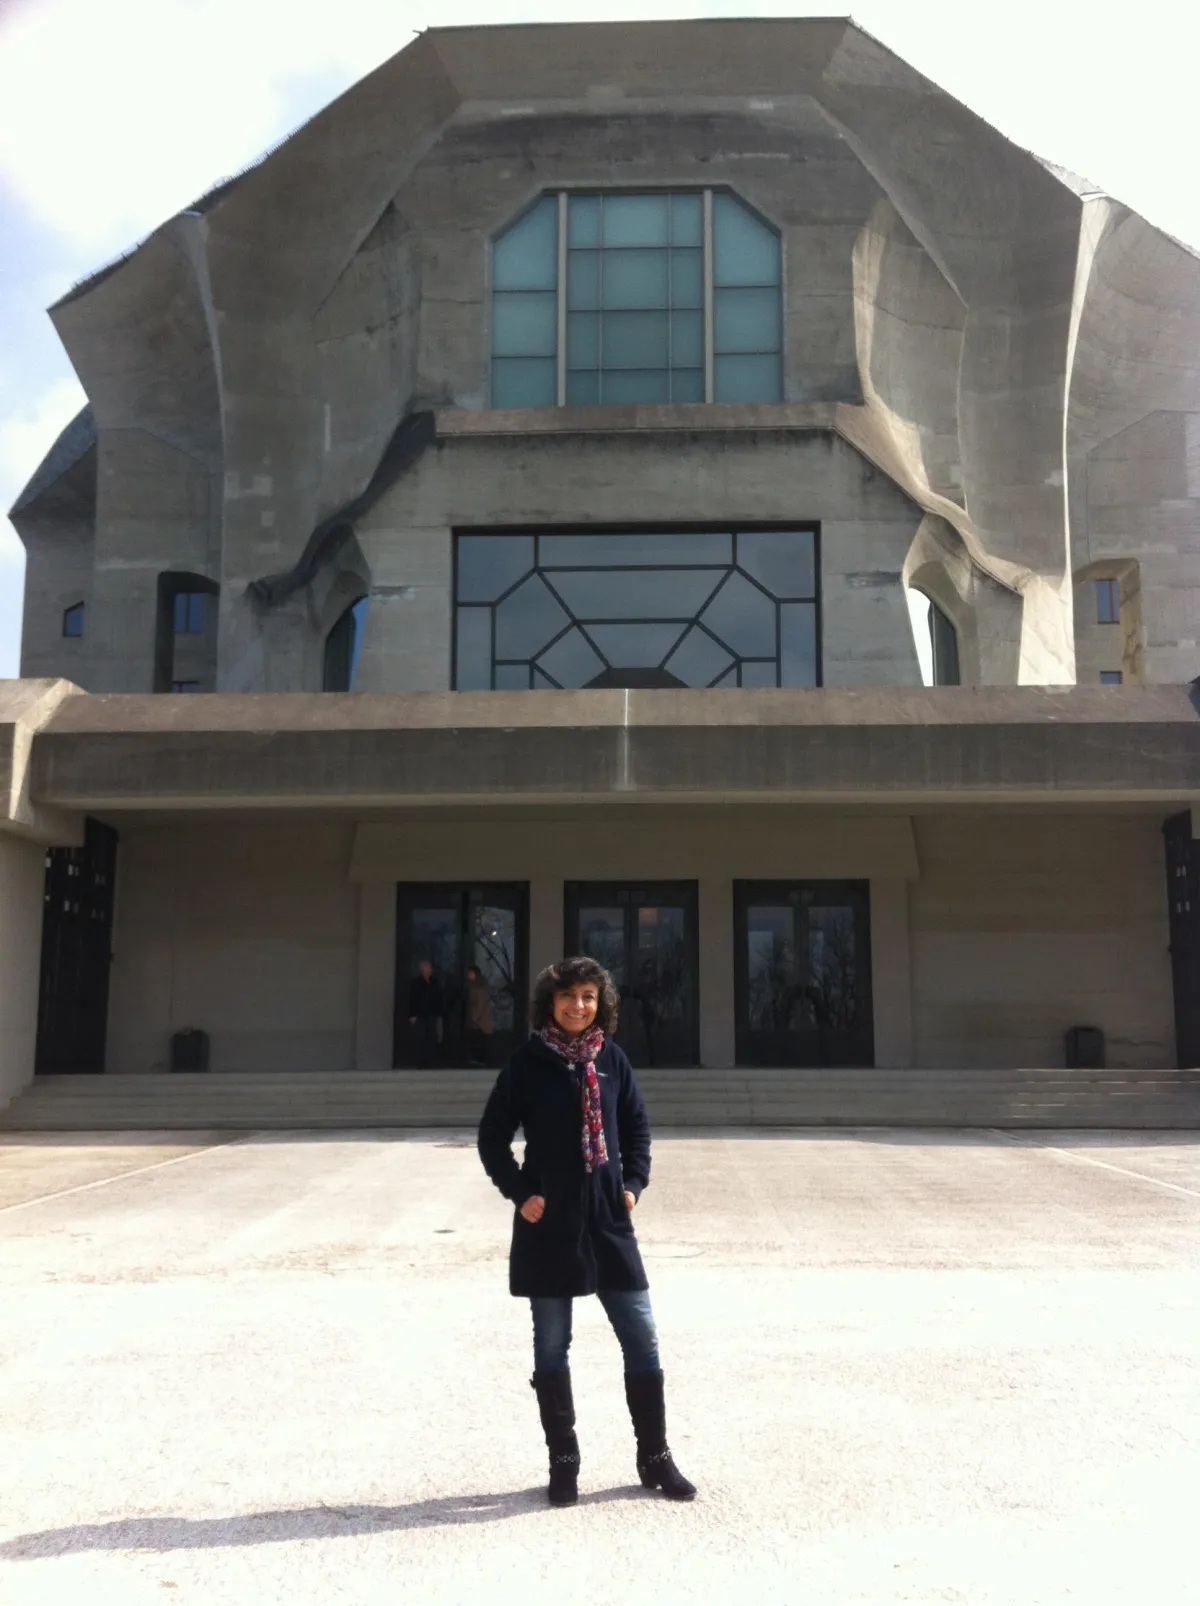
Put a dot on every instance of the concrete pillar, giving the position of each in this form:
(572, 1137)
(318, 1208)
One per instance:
(716, 971)
(891, 973)
(22, 883)
(545, 922)
(376, 976)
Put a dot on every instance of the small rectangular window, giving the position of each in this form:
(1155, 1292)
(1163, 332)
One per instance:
(72, 624)
(1108, 602)
(185, 685)
(1110, 677)
(189, 613)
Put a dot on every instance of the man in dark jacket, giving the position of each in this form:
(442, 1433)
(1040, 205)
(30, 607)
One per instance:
(426, 1011)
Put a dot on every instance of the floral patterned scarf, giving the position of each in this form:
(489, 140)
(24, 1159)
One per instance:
(583, 1050)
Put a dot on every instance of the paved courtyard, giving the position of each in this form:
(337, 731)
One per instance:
(901, 1367)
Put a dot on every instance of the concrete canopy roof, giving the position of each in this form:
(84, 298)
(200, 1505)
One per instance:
(1057, 747)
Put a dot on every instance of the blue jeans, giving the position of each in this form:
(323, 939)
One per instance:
(632, 1321)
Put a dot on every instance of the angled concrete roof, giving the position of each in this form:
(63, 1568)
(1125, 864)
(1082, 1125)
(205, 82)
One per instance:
(76, 440)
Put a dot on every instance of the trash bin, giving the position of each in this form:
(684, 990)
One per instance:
(1085, 1048)
(189, 1050)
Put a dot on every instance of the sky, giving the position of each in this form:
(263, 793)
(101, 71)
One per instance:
(115, 114)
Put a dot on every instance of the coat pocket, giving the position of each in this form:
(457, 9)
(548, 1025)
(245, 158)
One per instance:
(612, 1200)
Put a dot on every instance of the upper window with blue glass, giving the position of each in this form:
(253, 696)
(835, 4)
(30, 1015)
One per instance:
(657, 297)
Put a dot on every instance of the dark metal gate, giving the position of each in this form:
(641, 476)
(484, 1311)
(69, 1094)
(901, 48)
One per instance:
(76, 953)
(1183, 910)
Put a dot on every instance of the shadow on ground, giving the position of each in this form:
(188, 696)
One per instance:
(278, 1527)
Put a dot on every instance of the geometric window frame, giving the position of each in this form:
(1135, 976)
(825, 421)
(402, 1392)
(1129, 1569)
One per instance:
(701, 606)
(649, 295)
(73, 620)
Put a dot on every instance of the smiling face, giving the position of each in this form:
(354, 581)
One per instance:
(575, 1008)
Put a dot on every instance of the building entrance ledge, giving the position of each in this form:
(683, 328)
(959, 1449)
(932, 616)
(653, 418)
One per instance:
(1050, 745)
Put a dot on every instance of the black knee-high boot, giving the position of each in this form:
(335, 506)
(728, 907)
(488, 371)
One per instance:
(647, 1409)
(557, 1407)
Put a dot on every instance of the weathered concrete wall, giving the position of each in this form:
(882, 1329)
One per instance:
(1110, 647)
(858, 745)
(1024, 925)
(867, 528)
(59, 569)
(1004, 327)
(247, 932)
(1143, 495)
(22, 880)
(800, 175)
(992, 933)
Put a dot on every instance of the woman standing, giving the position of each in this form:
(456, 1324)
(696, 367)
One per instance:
(587, 1160)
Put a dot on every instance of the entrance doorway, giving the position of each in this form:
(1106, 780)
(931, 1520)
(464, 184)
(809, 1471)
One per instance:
(77, 924)
(802, 983)
(456, 927)
(645, 935)
(1183, 913)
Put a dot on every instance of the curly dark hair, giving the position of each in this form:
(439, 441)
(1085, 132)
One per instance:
(577, 972)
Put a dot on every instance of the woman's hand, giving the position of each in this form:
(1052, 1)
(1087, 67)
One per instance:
(630, 1201)
(533, 1208)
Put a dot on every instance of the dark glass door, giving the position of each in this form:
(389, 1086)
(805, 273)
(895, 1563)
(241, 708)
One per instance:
(803, 977)
(455, 927)
(1183, 913)
(76, 953)
(645, 935)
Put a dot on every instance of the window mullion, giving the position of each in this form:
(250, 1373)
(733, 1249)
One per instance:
(562, 298)
(708, 295)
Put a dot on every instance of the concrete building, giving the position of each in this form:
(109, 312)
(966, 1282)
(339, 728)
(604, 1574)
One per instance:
(819, 459)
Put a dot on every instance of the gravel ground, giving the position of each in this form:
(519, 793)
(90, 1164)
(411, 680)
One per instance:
(920, 1367)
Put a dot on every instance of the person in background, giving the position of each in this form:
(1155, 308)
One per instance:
(481, 1018)
(587, 1159)
(427, 1011)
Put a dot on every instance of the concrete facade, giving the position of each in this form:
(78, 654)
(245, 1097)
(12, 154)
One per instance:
(22, 876)
(1011, 843)
(991, 934)
(989, 400)
(866, 530)
(1000, 340)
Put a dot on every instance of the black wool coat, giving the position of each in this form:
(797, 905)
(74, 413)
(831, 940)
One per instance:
(585, 1239)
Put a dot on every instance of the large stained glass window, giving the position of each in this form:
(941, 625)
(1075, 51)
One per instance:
(545, 610)
(654, 297)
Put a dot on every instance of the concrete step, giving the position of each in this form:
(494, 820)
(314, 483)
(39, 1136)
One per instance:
(676, 1099)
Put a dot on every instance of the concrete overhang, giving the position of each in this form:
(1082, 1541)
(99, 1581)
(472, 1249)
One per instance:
(25, 708)
(954, 745)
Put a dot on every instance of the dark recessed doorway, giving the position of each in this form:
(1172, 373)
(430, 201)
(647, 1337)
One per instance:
(802, 982)
(644, 933)
(457, 926)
